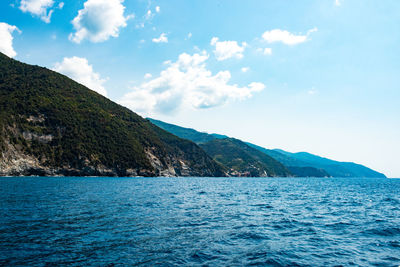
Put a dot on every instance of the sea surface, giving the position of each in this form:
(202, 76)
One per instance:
(199, 221)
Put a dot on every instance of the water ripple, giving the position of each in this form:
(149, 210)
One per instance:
(199, 222)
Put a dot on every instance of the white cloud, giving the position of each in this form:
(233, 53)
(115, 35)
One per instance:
(245, 69)
(162, 39)
(78, 69)
(39, 8)
(99, 20)
(227, 49)
(6, 39)
(186, 83)
(149, 15)
(148, 76)
(312, 91)
(147, 18)
(286, 37)
(337, 3)
(267, 51)
(189, 35)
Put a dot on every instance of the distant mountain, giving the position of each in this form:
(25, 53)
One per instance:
(308, 172)
(299, 164)
(243, 160)
(51, 125)
(334, 168)
(238, 158)
(187, 133)
(299, 170)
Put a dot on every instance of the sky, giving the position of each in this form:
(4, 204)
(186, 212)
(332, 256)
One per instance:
(321, 76)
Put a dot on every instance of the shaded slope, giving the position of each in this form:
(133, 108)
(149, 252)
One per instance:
(51, 125)
(243, 160)
(308, 172)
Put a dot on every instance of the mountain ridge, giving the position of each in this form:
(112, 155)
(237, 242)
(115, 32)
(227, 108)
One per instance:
(187, 133)
(243, 160)
(51, 125)
(301, 163)
(335, 168)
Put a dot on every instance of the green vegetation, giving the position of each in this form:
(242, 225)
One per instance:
(187, 133)
(67, 126)
(308, 172)
(241, 158)
(334, 168)
(299, 164)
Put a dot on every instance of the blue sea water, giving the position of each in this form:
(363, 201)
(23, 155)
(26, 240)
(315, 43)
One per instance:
(199, 221)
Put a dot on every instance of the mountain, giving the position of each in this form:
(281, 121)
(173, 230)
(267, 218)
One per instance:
(299, 164)
(308, 172)
(51, 125)
(298, 170)
(243, 160)
(187, 133)
(238, 158)
(304, 160)
(334, 168)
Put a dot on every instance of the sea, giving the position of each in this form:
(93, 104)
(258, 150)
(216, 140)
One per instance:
(89, 221)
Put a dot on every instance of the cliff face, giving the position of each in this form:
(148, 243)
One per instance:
(51, 125)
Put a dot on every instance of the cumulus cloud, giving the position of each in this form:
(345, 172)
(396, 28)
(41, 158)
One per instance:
(158, 9)
(148, 76)
(6, 39)
(186, 83)
(286, 37)
(162, 39)
(245, 69)
(78, 69)
(40, 8)
(99, 20)
(227, 49)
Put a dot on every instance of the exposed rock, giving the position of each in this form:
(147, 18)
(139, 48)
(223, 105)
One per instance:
(42, 138)
(35, 119)
(14, 162)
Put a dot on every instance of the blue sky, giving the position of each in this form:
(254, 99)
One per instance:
(320, 76)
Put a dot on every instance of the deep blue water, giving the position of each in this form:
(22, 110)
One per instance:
(199, 221)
